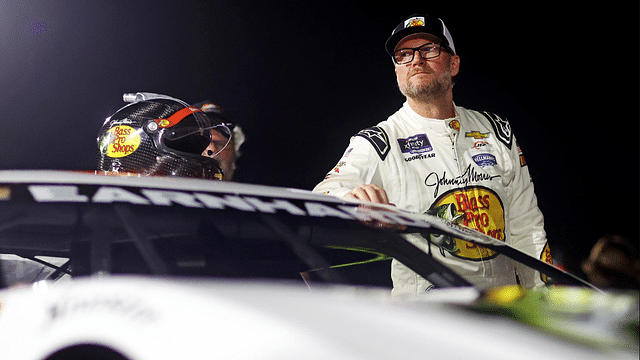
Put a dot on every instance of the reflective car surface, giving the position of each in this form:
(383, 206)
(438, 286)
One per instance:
(153, 268)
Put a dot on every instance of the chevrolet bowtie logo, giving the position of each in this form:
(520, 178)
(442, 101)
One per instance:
(476, 134)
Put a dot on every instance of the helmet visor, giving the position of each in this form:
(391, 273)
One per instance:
(197, 133)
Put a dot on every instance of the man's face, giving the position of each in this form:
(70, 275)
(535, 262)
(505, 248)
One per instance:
(226, 157)
(423, 79)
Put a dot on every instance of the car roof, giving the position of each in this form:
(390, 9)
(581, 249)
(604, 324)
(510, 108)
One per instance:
(41, 200)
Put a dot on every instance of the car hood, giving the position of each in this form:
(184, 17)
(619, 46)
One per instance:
(157, 318)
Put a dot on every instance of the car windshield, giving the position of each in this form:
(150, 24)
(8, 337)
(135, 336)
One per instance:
(102, 225)
(51, 240)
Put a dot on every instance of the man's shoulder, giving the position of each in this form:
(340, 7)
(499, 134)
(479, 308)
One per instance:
(392, 125)
(498, 123)
(378, 137)
(380, 134)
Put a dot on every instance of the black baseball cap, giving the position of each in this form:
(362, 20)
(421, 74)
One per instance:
(420, 23)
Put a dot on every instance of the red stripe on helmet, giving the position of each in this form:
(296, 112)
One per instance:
(177, 117)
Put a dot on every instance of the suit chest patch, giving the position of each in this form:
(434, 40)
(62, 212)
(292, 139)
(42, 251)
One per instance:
(416, 144)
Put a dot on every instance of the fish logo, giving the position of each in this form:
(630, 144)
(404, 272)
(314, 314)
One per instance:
(477, 208)
(415, 21)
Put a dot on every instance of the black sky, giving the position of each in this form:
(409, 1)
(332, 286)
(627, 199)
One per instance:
(301, 78)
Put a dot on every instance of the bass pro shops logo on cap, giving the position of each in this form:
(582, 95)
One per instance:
(420, 23)
(414, 21)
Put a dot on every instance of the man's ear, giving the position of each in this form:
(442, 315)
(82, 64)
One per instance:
(455, 65)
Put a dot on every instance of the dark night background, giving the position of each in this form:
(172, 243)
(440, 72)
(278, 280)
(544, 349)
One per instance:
(301, 78)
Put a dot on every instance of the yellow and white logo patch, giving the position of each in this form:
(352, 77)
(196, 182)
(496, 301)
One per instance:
(546, 257)
(120, 141)
(478, 208)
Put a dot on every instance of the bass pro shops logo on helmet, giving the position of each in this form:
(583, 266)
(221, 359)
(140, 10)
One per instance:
(157, 135)
(120, 141)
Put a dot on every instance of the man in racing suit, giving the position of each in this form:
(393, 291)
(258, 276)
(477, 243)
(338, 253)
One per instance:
(434, 157)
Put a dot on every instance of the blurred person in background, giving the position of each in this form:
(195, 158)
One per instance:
(229, 155)
(613, 263)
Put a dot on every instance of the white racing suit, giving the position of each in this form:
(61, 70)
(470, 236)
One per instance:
(468, 169)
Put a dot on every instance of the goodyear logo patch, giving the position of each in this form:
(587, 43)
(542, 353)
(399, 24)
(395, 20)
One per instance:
(120, 141)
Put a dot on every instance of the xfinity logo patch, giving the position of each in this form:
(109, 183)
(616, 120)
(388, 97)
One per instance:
(416, 144)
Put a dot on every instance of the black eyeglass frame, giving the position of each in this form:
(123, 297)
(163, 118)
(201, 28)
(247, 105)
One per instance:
(413, 52)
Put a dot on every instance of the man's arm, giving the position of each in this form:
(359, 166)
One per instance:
(526, 221)
(356, 175)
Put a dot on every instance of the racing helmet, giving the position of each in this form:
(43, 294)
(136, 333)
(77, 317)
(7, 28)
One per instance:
(158, 135)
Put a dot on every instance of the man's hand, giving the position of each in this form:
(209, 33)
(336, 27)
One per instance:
(369, 192)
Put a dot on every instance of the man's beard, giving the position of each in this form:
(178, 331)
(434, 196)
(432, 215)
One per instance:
(424, 92)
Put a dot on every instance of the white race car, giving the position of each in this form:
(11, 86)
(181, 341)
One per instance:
(101, 267)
